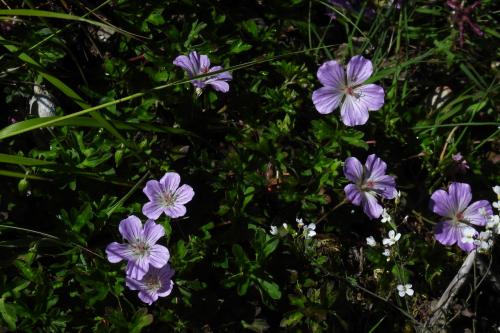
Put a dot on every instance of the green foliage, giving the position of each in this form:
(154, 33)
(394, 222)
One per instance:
(257, 156)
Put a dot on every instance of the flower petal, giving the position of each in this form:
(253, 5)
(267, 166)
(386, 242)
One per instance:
(353, 194)
(353, 111)
(131, 228)
(218, 85)
(153, 232)
(460, 196)
(186, 64)
(136, 269)
(331, 74)
(204, 63)
(170, 182)
(117, 252)
(375, 167)
(370, 95)
(359, 69)
(152, 189)
(148, 297)
(353, 170)
(371, 207)
(326, 99)
(385, 186)
(175, 211)
(153, 209)
(410, 292)
(184, 194)
(466, 246)
(441, 204)
(158, 256)
(472, 214)
(133, 284)
(447, 233)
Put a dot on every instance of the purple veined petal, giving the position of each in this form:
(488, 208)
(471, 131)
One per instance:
(221, 76)
(353, 111)
(170, 182)
(466, 246)
(204, 64)
(386, 185)
(194, 59)
(184, 194)
(158, 256)
(441, 204)
(375, 167)
(186, 64)
(447, 233)
(133, 284)
(148, 297)
(152, 189)
(460, 196)
(326, 99)
(371, 207)
(117, 252)
(218, 85)
(166, 288)
(175, 211)
(136, 269)
(353, 194)
(131, 228)
(153, 209)
(166, 272)
(359, 69)
(472, 214)
(331, 74)
(153, 232)
(353, 170)
(371, 95)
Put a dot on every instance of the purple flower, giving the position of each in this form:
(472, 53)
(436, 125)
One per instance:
(460, 163)
(141, 249)
(195, 64)
(356, 98)
(369, 182)
(156, 283)
(165, 196)
(454, 207)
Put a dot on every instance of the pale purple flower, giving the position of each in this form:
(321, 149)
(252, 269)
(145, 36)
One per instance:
(165, 196)
(369, 182)
(141, 249)
(197, 64)
(461, 164)
(454, 207)
(156, 283)
(355, 98)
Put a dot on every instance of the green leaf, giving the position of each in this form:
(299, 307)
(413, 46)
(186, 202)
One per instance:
(8, 314)
(271, 288)
(292, 319)
(21, 160)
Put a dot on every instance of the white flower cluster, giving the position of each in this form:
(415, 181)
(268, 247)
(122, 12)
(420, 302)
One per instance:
(308, 231)
(404, 290)
(484, 241)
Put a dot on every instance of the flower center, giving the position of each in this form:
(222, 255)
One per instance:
(152, 282)
(140, 248)
(204, 70)
(168, 199)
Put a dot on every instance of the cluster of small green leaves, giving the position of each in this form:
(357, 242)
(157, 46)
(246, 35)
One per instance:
(257, 156)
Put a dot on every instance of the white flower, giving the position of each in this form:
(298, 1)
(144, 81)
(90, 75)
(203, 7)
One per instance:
(496, 189)
(285, 226)
(405, 290)
(494, 224)
(496, 204)
(309, 230)
(274, 230)
(484, 241)
(386, 253)
(385, 216)
(371, 241)
(468, 234)
(300, 222)
(397, 196)
(393, 238)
